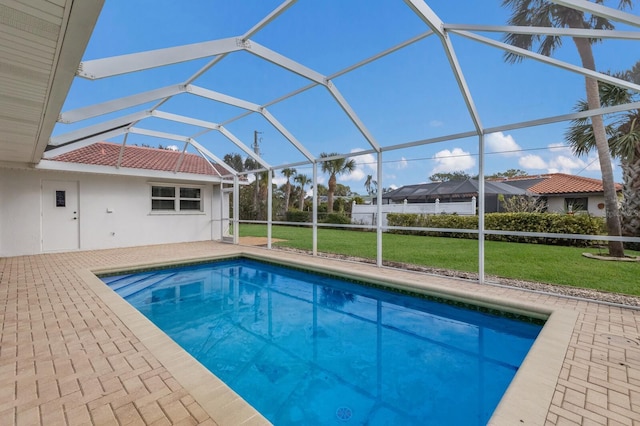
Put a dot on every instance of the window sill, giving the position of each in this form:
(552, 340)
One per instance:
(175, 213)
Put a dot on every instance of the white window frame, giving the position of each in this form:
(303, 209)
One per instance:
(176, 198)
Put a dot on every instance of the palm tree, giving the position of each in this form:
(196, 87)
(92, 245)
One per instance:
(288, 172)
(338, 166)
(367, 184)
(623, 133)
(302, 180)
(541, 13)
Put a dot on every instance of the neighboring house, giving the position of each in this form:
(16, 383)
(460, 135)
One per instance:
(565, 193)
(81, 200)
(562, 192)
(451, 192)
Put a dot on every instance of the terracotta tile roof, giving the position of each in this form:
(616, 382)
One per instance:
(561, 183)
(135, 157)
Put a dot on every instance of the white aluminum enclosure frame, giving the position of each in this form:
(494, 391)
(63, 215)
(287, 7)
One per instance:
(217, 50)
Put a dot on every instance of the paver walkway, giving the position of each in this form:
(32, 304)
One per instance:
(66, 358)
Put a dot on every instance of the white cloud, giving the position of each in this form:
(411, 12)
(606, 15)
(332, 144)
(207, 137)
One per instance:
(452, 161)
(402, 164)
(366, 164)
(559, 147)
(279, 180)
(356, 175)
(564, 164)
(531, 161)
(593, 164)
(499, 142)
(436, 123)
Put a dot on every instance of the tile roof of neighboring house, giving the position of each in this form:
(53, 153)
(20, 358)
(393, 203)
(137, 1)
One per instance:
(560, 183)
(135, 157)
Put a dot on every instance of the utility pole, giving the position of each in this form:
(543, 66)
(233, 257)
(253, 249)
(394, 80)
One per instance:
(256, 193)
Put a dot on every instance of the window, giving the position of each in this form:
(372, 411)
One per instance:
(576, 204)
(176, 198)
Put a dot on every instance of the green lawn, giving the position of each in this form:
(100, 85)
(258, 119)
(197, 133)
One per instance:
(530, 262)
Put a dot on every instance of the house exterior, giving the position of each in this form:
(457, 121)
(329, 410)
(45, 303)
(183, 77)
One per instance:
(81, 200)
(565, 193)
(562, 192)
(451, 192)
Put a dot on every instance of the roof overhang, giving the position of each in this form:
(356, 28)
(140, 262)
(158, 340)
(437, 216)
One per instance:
(124, 171)
(43, 48)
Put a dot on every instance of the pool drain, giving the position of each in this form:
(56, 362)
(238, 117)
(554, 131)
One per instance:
(344, 414)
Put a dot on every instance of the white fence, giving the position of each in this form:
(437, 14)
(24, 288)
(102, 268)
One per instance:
(365, 214)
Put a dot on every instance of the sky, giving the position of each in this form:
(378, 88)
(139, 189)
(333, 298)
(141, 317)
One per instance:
(406, 96)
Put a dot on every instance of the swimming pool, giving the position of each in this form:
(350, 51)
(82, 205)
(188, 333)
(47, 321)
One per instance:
(308, 348)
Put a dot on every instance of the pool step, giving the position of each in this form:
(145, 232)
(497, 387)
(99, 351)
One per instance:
(126, 285)
(124, 280)
(135, 287)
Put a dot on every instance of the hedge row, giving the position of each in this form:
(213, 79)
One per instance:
(305, 216)
(298, 216)
(522, 222)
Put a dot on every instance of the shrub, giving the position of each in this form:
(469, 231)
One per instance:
(522, 222)
(298, 216)
(337, 218)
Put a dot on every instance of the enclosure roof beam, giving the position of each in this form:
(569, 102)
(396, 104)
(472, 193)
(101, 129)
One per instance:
(99, 128)
(284, 62)
(225, 99)
(338, 73)
(72, 146)
(204, 157)
(184, 119)
(565, 117)
(210, 94)
(157, 134)
(95, 110)
(243, 147)
(284, 132)
(439, 139)
(425, 13)
(552, 61)
(269, 18)
(600, 10)
(542, 31)
(353, 116)
(124, 64)
(205, 152)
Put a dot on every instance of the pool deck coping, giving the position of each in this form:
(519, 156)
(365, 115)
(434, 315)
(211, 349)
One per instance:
(526, 401)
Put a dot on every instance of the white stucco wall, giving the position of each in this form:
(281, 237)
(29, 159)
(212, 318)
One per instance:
(131, 222)
(556, 205)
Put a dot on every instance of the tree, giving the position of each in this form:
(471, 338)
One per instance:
(623, 131)
(343, 190)
(251, 164)
(541, 13)
(321, 189)
(446, 177)
(367, 184)
(508, 174)
(288, 172)
(235, 161)
(302, 181)
(338, 166)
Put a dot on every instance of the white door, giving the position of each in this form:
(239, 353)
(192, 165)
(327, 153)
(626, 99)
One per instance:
(60, 219)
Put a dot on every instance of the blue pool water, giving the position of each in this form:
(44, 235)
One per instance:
(304, 348)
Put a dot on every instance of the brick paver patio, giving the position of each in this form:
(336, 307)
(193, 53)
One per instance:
(67, 358)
